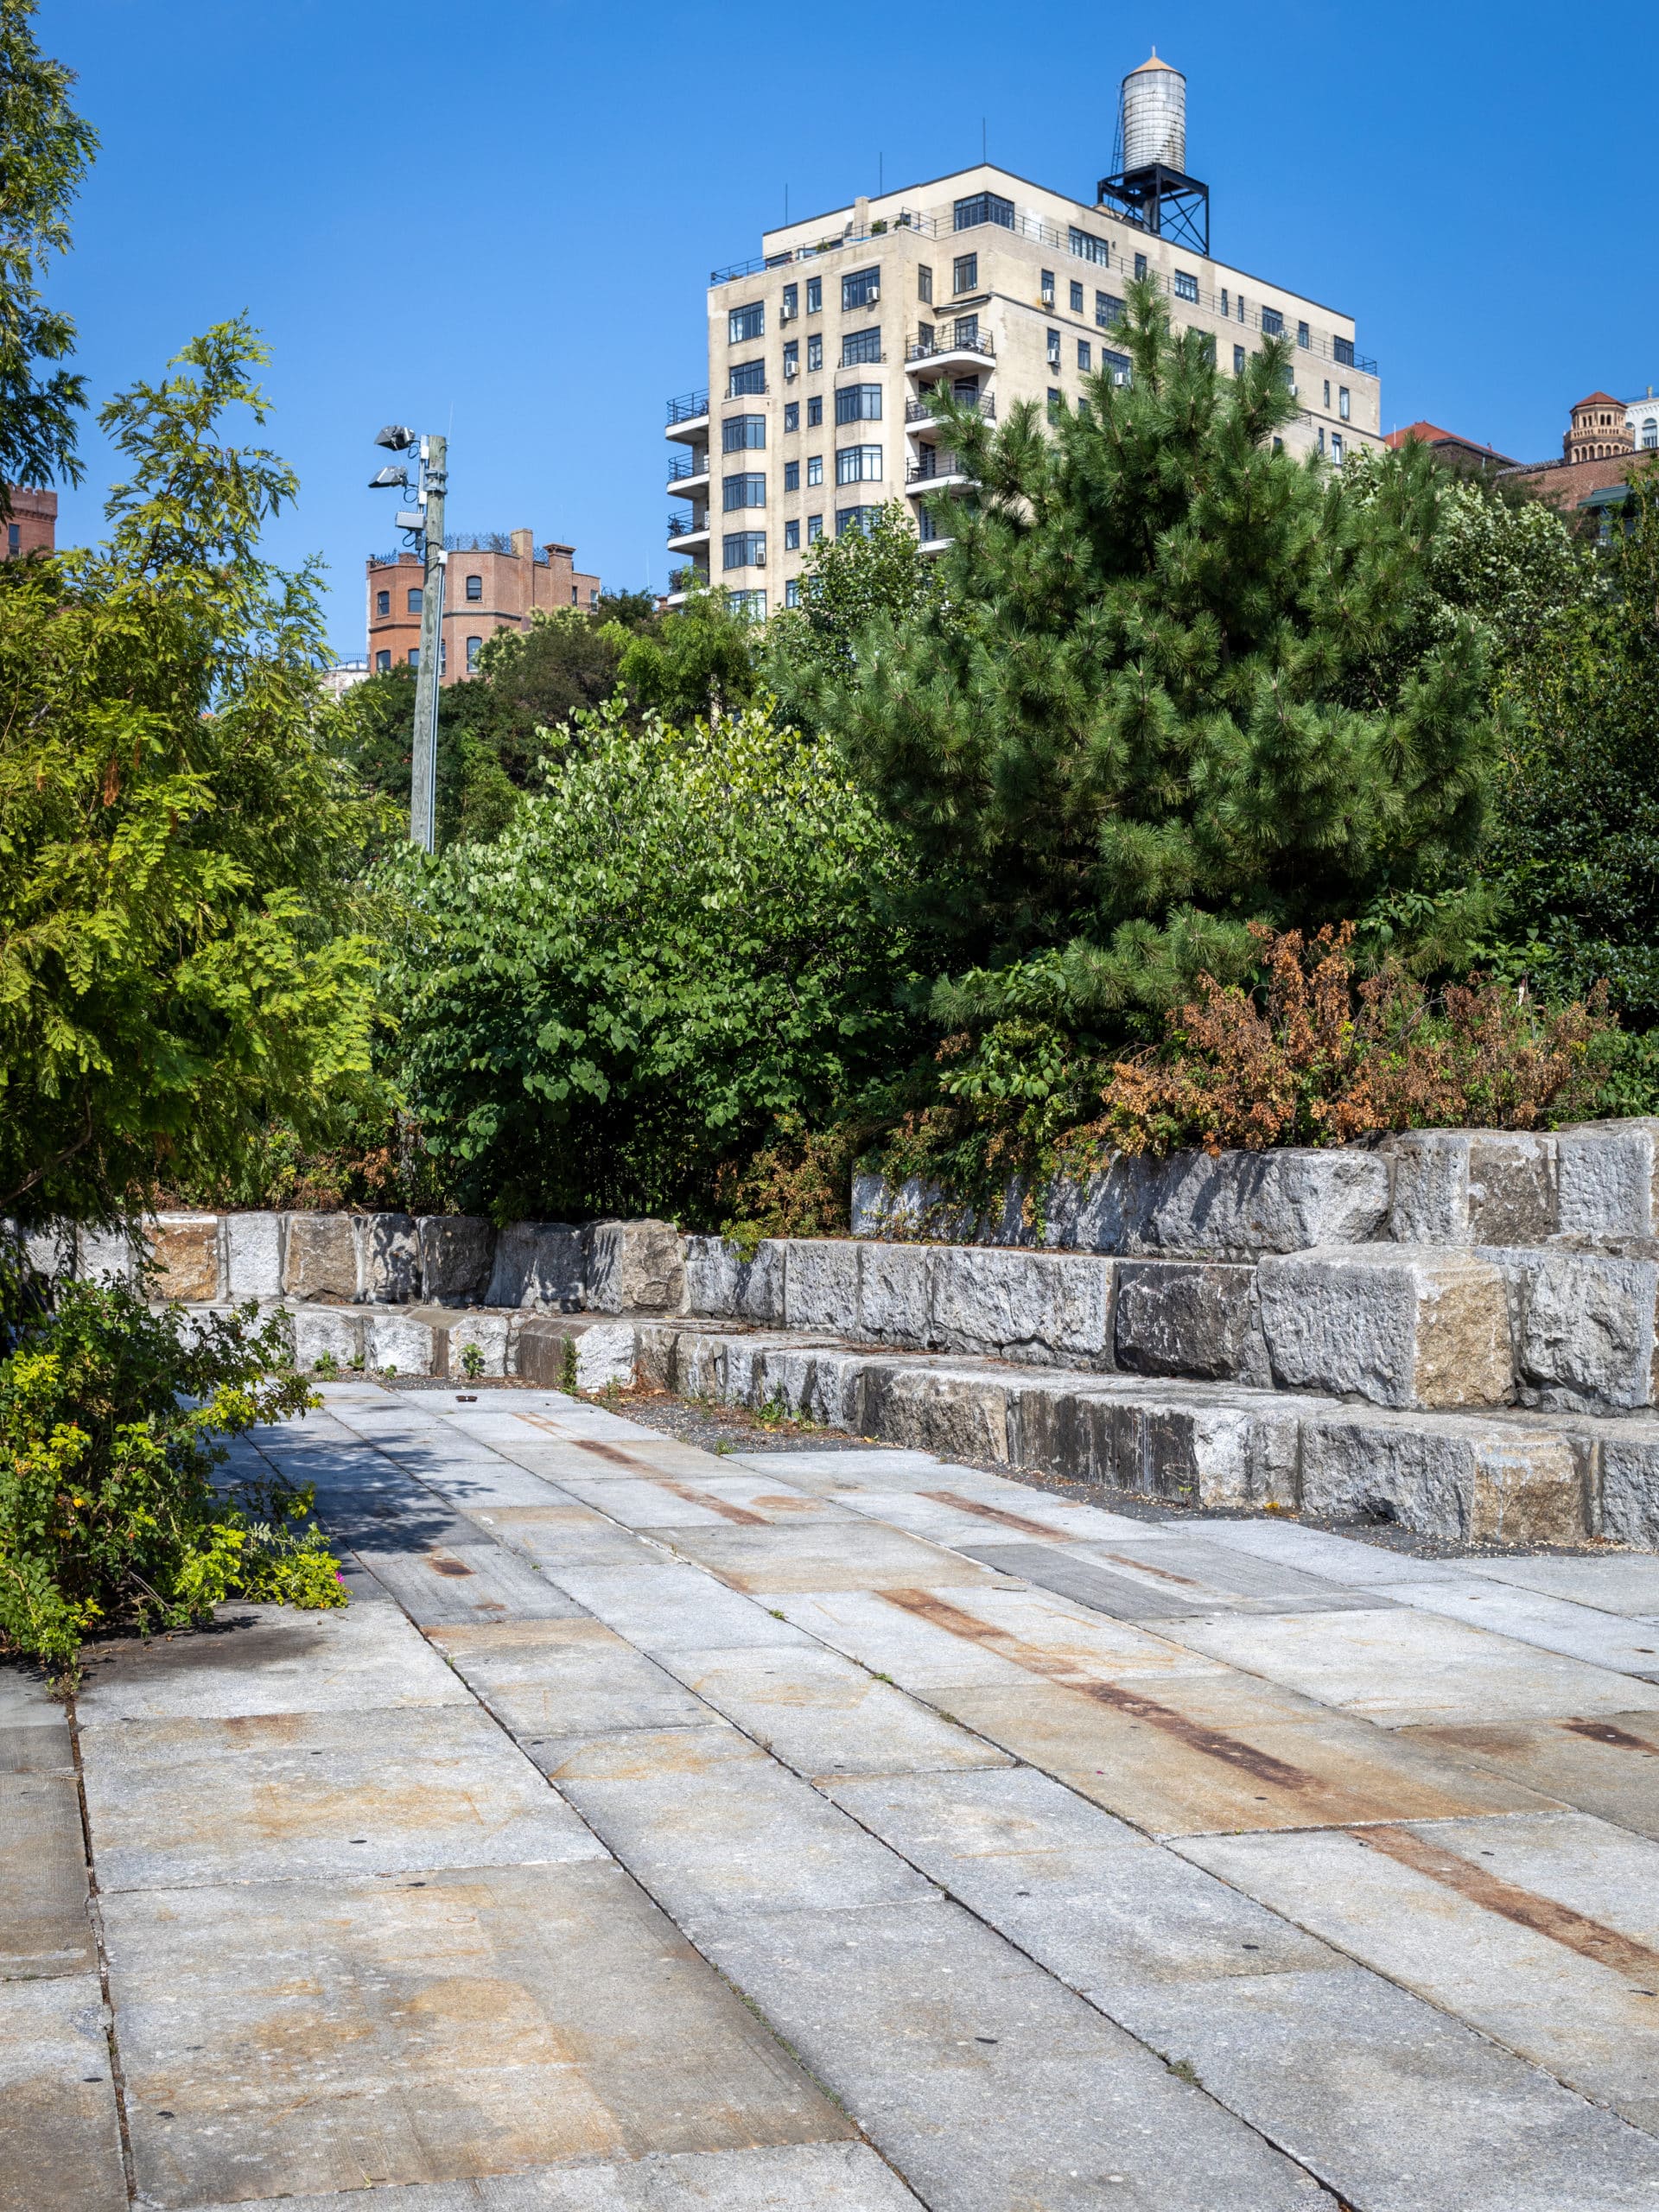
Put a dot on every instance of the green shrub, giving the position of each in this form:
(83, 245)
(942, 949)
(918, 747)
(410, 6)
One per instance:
(111, 1513)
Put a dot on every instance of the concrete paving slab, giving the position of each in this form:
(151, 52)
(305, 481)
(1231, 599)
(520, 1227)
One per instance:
(1078, 1890)
(1627, 1646)
(1120, 1597)
(453, 1582)
(258, 1659)
(1187, 1567)
(1316, 1551)
(1392, 2104)
(668, 1502)
(43, 1924)
(565, 1536)
(1608, 1766)
(889, 1640)
(478, 1488)
(673, 1607)
(34, 1725)
(1050, 1635)
(58, 2128)
(1543, 1932)
(823, 1715)
(823, 1556)
(305, 1797)
(1396, 1668)
(1185, 1755)
(807, 2177)
(990, 2088)
(708, 1823)
(412, 1523)
(984, 1510)
(1613, 1582)
(897, 1468)
(280, 2039)
(554, 1683)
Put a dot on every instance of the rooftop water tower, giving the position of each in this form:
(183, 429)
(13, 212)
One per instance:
(1149, 184)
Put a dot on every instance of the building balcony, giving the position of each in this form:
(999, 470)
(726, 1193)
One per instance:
(936, 471)
(689, 474)
(951, 347)
(687, 532)
(919, 416)
(688, 418)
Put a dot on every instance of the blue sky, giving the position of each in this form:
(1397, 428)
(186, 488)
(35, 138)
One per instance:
(501, 220)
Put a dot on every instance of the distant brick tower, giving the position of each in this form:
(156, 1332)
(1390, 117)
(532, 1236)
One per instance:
(1600, 430)
(33, 527)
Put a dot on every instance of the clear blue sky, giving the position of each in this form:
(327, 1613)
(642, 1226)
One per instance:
(499, 218)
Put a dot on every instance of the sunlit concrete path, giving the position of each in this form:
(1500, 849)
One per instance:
(834, 1829)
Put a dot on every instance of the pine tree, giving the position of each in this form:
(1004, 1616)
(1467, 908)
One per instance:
(1159, 696)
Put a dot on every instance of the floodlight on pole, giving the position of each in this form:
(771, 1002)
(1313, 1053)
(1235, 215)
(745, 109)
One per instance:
(395, 436)
(388, 480)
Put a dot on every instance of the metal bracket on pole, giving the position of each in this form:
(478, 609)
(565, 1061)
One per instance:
(424, 766)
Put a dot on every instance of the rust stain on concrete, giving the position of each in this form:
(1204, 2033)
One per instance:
(1542, 1915)
(994, 1513)
(688, 1494)
(1603, 1732)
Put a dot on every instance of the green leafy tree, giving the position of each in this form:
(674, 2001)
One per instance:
(682, 937)
(699, 660)
(879, 572)
(44, 150)
(182, 957)
(1156, 702)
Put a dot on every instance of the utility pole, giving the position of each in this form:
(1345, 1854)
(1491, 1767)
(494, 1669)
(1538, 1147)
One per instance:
(423, 780)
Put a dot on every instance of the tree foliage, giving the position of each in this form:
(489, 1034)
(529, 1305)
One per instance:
(44, 150)
(680, 937)
(878, 573)
(1159, 698)
(181, 955)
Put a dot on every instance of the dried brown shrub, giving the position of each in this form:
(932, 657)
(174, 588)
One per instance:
(1320, 1056)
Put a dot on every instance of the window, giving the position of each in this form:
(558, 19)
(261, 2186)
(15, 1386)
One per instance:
(443, 655)
(747, 380)
(1109, 310)
(1343, 405)
(746, 548)
(859, 403)
(1336, 446)
(416, 600)
(14, 536)
(1241, 307)
(745, 325)
(924, 282)
(1226, 304)
(475, 587)
(1077, 300)
(474, 647)
(966, 330)
(751, 605)
(792, 303)
(964, 273)
(814, 528)
(1056, 403)
(1186, 285)
(860, 347)
(924, 337)
(791, 360)
(792, 414)
(926, 528)
(814, 295)
(791, 538)
(792, 588)
(815, 351)
(861, 289)
(1115, 366)
(1087, 248)
(814, 412)
(383, 603)
(858, 465)
(382, 662)
(1342, 350)
(1140, 266)
(815, 468)
(1650, 431)
(1321, 437)
(1304, 336)
(1053, 349)
(1238, 360)
(748, 490)
(1327, 395)
(1085, 357)
(983, 207)
(1273, 323)
(791, 476)
(415, 657)
(855, 518)
(738, 433)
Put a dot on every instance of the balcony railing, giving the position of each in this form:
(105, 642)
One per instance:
(687, 525)
(692, 464)
(935, 464)
(948, 340)
(982, 404)
(688, 407)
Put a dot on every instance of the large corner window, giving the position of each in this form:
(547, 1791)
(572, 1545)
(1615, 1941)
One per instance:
(1273, 323)
(739, 433)
(861, 348)
(982, 207)
(745, 325)
(859, 403)
(1109, 310)
(1343, 350)
(748, 378)
(863, 519)
(748, 490)
(861, 290)
(858, 465)
(751, 605)
(744, 549)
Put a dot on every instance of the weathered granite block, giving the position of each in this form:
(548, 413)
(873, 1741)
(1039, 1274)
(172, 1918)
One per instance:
(399, 1341)
(1188, 1317)
(1472, 1186)
(538, 1264)
(390, 1265)
(1607, 1170)
(456, 1251)
(1587, 1332)
(107, 1256)
(1530, 1488)
(634, 1267)
(821, 1284)
(1239, 1204)
(960, 1416)
(1108, 1211)
(50, 1251)
(320, 1261)
(489, 1334)
(720, 1283)
(894, 1292)
(253, 1255)
(558, 1351)
(1630, 1485)
(1401, 1325)
(184, 1248)
(909, 1210)
(1029, 1306)
(1504, 1482)
(324, 1332)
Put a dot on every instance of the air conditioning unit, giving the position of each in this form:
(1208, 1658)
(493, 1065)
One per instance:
(791, 371)
(760, 561)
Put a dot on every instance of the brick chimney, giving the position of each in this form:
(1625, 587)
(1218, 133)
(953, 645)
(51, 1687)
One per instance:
(523, 542)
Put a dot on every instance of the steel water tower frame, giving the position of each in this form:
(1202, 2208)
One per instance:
(1150, 186)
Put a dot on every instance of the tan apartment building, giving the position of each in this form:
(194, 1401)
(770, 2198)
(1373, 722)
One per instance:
(492, 583)
(826, 350)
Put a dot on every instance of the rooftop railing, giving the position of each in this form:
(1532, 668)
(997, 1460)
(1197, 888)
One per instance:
(688, 407)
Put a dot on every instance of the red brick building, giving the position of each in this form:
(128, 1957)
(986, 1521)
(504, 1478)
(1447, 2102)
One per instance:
(1598, 454)
(1465, 454)
(33, 527)
(491, 583)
